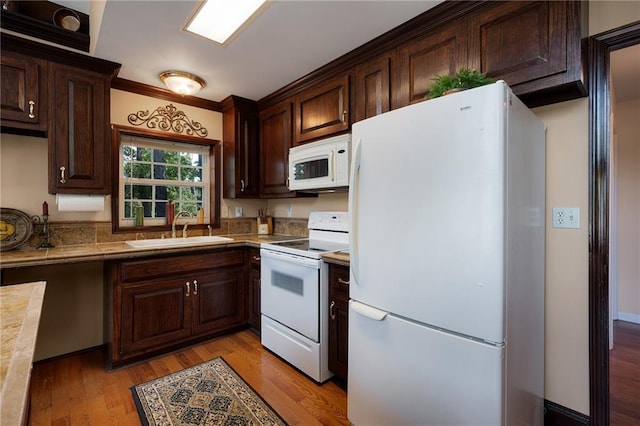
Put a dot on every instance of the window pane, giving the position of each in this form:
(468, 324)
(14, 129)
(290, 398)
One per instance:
(147, 207)
(190, 174)
(161, 193)
(142, 171)
(165, 172)
(128, 213)
(170, 157)
(143, 154)
(126, 169)
(127, 192)
(142, 192)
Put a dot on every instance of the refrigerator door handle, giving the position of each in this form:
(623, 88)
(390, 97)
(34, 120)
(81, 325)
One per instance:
(367, 311)
(354, 181)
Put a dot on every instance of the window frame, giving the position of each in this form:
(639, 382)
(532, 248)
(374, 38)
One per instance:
(215, 168)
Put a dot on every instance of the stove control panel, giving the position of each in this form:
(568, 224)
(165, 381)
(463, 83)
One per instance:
(329, 221)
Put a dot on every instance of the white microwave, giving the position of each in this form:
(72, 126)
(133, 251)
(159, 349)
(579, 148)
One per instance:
(320, 165)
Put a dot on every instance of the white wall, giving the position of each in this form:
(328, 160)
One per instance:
(567, 257)
(627, 146)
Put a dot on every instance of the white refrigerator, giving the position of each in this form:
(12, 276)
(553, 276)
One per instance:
(446, 317)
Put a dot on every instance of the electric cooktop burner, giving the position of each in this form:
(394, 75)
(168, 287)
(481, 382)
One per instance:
(328, 232)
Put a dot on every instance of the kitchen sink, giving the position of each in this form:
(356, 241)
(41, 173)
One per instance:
(176, 242)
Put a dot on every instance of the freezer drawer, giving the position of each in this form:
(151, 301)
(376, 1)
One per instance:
(403, 373)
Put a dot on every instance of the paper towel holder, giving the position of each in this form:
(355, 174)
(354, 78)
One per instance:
(80, 202)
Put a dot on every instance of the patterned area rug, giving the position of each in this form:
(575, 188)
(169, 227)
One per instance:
(211, 393)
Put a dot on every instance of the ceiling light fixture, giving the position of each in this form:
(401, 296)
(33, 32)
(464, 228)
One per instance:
(218, 20)
(182, 82)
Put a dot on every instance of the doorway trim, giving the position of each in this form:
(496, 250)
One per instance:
(600, 46)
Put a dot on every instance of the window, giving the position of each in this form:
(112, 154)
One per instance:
(154, 171)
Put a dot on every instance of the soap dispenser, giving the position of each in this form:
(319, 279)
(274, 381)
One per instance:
(139, 214)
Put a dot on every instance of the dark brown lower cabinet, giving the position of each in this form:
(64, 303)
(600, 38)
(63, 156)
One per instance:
(338, 320)
(254, 288)
(163, 302)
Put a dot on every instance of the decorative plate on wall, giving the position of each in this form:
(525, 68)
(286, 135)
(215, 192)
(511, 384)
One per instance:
(15, 228)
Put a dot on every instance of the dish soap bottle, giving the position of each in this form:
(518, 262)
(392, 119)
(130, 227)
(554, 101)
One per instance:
(139, 214)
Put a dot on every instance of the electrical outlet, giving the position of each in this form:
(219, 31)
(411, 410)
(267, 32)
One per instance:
(289, 210)
(238, 211)
(566, 217)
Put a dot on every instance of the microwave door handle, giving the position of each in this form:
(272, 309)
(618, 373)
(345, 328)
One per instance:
(332, 165)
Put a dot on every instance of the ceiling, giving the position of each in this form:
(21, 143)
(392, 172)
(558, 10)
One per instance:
(288, 40)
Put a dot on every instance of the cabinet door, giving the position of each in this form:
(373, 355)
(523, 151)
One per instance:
(254, 288)
(154, 315)
(23, 101)
(532, 45)
(420, 61)
(218, 300)
(372, 87)
(275, 137)
(322, 110)
(79, 154)
(338, 320)
(241, 148)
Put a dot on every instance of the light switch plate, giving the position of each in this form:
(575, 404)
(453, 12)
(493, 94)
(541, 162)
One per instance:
(566, 217)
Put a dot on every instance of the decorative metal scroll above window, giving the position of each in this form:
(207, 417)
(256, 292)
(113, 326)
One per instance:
(168, 118)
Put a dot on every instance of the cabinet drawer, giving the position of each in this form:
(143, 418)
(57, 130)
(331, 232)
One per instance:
(163, 266)
(254, 257)
(339, 280)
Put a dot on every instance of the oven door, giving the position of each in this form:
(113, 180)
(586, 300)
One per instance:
(290, 291)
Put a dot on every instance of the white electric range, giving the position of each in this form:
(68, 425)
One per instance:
(294, 293)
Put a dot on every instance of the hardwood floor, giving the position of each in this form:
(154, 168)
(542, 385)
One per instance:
(77, 390)
(624, 374)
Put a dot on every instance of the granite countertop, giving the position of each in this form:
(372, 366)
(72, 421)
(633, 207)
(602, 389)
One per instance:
(20, 318)
(339, 258)
(119, 250)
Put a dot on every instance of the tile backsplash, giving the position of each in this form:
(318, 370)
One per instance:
(74, 233)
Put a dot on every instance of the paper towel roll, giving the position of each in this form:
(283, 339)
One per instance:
(79, 203)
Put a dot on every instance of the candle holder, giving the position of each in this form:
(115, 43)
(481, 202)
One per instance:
(45, 244)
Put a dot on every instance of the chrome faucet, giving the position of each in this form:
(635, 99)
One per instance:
(173, 224)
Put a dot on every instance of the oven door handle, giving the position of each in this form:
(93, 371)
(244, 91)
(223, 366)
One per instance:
(268, 255)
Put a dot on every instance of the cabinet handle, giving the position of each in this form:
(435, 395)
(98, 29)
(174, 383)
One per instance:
(31, 105)
(195, 287)
(256, 258)
(331, 314)
(62, 178)
(344, 116)
(341, 281)
(188, 284)
(241, 185)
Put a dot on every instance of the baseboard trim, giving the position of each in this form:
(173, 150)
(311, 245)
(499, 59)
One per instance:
(623, 316)
(557, 415)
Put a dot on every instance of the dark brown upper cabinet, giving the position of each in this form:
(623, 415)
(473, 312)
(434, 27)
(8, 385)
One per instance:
(372, 95)
(23, 102)
(79, 133)
(322, 110)
(443, 51)
(275, 141)
(71, 93)
(534, 46)
(241, 144)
